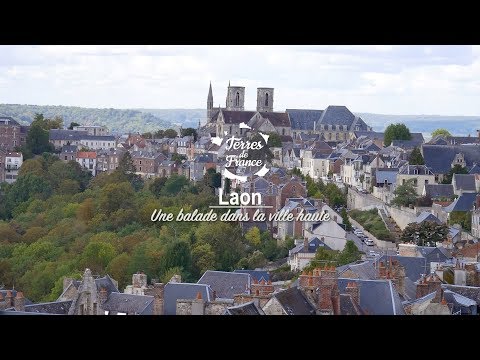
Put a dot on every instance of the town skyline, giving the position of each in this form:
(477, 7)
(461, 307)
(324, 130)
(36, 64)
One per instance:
(396, 80)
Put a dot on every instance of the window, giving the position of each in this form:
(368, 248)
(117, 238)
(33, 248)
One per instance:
(140, 162)
(94, 308)
(140, 168)
(266, 99)
(336, 136)
(403, 181)
(283, 131)
(415, 171)
(426, 181)
(329, 136)
(415, 182)
(237, 99)
(66, 157)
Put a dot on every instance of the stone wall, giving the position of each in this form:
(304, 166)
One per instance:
(357, 200)
(402, 216)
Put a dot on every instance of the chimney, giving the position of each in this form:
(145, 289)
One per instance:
(102, 295)
(198, 305)
(157, 291)
(139, 280)
(19, 302)
(9, 299)
(305, 244)
(354, 291)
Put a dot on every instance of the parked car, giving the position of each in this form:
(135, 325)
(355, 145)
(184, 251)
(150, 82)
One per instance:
(369, 242)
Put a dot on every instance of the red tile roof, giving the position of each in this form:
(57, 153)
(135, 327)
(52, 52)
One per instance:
(87, 155)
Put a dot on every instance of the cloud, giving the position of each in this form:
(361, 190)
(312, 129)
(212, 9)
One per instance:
(382, 79)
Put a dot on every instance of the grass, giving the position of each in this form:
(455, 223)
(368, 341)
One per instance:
(372, 222)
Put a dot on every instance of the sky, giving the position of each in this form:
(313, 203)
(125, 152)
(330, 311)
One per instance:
(397, 80)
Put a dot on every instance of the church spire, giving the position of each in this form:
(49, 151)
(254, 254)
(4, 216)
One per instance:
(210, 103)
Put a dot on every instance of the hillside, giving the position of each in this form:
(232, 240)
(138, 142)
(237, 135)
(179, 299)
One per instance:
(118, 121)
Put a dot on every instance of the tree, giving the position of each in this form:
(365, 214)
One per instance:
(441, 132)
(274, 140)
(174, 185)
(178, 158)
(170, 133)
(126, 165)
(177, 254)
(72, 125)
(253, 236)
(212, 179)
(405, 194)
(116, 196)
(349, 254)
(426, 233)
(157, 185)
(117, 269)
(457, 169)
(189, 132)
(203, 258)
(97, 255)
(346, 220)
(416, 157)
(396, 132)
(463, 218)
(38, 140)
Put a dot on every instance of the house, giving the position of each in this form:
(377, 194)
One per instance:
(108, 160)
(359, 270)
(87, 160)
(175, 291)
(302, 254)
(226, 284)
(331, 233)
(93, 130)
(200, 165)
(289, 302)
(146, 163)
(420, 174)
(60, 137)
(96, 142)
(12, 165)
(463, 183)
(438, 191)
(68, 153)
(12, 134)
(415, 142)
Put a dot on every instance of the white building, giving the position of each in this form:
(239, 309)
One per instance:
(88, 160)
(13, 162)
(94, 130)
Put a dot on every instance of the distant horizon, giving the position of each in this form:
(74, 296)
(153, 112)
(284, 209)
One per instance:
(377, 79)
(185, 108)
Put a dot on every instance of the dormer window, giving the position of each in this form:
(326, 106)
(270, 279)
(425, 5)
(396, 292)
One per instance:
(415, 171)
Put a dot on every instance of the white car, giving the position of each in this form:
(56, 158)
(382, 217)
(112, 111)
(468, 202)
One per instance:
(369, 242)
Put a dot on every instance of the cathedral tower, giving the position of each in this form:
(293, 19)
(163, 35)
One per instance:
(210, 104)
(235, 98)
(265, 99)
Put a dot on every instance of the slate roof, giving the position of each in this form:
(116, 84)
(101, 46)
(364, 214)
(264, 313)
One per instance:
(426, 216)
(407, 144)
(465, 182)
(463, 203)
(439, 158)
(348, 306)
(475, 169)
(204, 158)
(236, 117)
(129, 303)
(256, 274)
(107, 283)
(7, 120)
(410, 169)
(364, 270)
(439, 190)
(174, 291)
(277, 118)
(382, 175)
(69, 148)
(226, 284)
(471, 292)
(337, 115)
(369, 134)
(248, 308)
(435, 254)
(377, 297)
(99, 138)
(57, 307)
(59, 134)
(294, 302)
(414, 266)
(303, 119)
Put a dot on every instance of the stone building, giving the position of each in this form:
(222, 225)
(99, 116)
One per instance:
(12, 134)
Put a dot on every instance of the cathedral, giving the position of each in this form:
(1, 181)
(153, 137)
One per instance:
(226, 121)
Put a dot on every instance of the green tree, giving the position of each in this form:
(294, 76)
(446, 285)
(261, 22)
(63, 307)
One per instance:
(396, 132)
(212, 179)
(441, 131)
(274, 140)
(126, 165)
(426, 233)
(116, 196)
(228, 186)
(38, 140)
(416, 157)
(178, 158)
(170, 133)
(118, 270)
(97, 255)
(203, 258)
(463, 218)
(346, 220)
(257, 260)
(405, 194)
(157, 185)
(174, 185)
(457, 169)
(72, 125)
(177, 254)
(349, 254)
(189, 132)
(253, 236)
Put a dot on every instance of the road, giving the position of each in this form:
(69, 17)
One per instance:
(365, 248)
